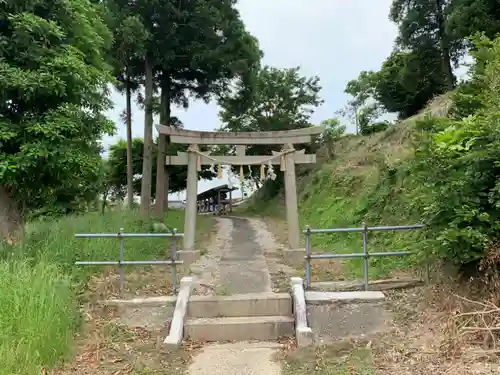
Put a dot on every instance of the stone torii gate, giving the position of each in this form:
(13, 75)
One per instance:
(194, 159)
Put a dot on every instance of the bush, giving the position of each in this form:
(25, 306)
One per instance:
(458, 172)
(374, 128)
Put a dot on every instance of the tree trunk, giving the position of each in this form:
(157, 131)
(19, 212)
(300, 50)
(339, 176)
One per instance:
(148, 142)
(166, 109)
(162, 175)
(11, 223)
(130, 169)
(445, 47)
(104, 203)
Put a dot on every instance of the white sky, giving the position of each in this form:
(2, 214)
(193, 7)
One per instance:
(334, 39)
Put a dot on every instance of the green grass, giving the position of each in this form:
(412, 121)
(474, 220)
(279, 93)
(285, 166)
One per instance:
(37, 316)
(329, 360)
(335, 200)
(40, 285)
(367, 181)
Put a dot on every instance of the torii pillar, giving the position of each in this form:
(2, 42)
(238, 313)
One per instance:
(191, 200)
(292, 207)
(286, 161)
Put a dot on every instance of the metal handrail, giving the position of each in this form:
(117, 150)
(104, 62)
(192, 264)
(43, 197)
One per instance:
(172, 262)
(365, 254)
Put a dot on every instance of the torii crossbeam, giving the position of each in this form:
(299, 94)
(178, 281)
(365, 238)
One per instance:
(286, 159)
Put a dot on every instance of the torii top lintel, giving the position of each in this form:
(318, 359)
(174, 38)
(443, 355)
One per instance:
(296, 136)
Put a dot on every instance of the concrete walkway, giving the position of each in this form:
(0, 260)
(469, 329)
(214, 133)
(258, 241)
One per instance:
(242, 268)
(237, 359)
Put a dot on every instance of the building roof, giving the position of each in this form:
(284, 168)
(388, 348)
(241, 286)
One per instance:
(213, 192)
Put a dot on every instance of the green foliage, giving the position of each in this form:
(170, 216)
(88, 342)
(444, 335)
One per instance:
(362, 108)
(423, 28)
(450, 184)
(117, 168)
(409, 80)
(366, 116)
(38, 317)
(433, 36)
(333, 132)
(52, 97)
(191, 48)
(361, 89)
(467, 17)
(40, 287)
(457, 164)
(281, 99)
(406, 82)
(129, 46)
(196, 47)
(333, 359)
(375, 127)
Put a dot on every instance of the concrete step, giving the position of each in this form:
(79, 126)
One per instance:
(245, 328)
(251, 304)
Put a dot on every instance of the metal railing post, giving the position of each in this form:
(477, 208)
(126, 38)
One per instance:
(427, 270)
(121, 262)
(364, 229)
(174, 258)
(122, 258)
(365, 255)
(308, 257)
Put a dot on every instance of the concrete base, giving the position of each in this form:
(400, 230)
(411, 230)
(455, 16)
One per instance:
(188, 257)
(163, 301)
(314, 317)
(295, 257)
(239, 328)
(238, 305)
(325, 298)
(380, 285)
(341, 315)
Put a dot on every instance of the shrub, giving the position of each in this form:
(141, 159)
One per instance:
(458, 170)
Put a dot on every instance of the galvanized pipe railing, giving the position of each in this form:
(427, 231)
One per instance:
(172, 262)
(365, 254)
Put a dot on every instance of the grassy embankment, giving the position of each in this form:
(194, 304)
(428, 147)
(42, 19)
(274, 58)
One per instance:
(41, 289)
(366, 180)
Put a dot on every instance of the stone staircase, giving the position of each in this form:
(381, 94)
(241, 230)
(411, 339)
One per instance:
(240, 317)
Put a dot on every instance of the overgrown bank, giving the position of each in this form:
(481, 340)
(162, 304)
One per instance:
(41, 289)
(441, 171)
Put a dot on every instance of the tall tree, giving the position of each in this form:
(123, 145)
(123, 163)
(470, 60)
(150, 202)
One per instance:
(334, 130)
(467, 17)
(408, 80)
(362, 91)
(203, 46)
(147, 157)
(117, 161)
(53, 80)
(126, 53)
(281, 99)
(196, 48)
(423, 25)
